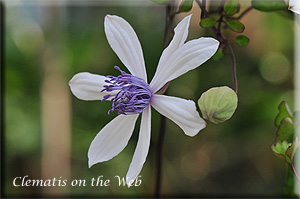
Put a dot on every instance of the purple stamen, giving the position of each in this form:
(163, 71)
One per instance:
(133, 94)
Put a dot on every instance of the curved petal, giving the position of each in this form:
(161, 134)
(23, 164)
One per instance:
(182, 112)
(189, 56)
(112, 139)
(181, 33)
(294, 5)
(124, 41)
(142, 147)
(87, 86)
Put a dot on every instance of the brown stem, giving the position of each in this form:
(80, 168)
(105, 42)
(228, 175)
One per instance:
(202, 6)
(244, 13)
(223, 40)
(162, 130)
(233, 60)
(294, 171)
(159, 163)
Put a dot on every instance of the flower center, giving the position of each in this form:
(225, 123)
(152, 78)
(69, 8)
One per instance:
(132, 94)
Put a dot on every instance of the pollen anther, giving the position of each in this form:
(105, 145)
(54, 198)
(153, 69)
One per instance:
(133, 93)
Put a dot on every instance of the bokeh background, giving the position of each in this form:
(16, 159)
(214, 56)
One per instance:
(47, 131)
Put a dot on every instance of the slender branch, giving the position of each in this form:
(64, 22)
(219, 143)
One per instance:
(294, 171)
(244, 13)
(159, 163)
(233, 60)
(202, 6)
(162, 130)
(223, 40)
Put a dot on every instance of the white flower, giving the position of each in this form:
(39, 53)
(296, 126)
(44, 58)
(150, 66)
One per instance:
(131, 94)
(294, 5)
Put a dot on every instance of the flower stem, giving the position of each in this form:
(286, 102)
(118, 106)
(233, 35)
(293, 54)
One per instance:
(223, 40)
(218, 32)
(162, 130)
(233, 61)
(294, 171)
(202, 5)
(244, 13)
(159, 163)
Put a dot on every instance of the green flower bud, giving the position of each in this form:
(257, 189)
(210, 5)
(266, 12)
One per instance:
(218, 104)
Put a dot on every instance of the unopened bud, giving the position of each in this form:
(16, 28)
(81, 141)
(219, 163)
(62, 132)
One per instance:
(218, 104)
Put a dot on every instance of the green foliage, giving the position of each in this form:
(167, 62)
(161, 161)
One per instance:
(284, 111)
(269, 5)
(290, 152)
(284, 122)
(242, 40)
(280, 148)
(186, 6)
(285, 150)
(236, 26)
(231, 7)
(218, 104)
(207, 22)
(285, 129)
(160, 1)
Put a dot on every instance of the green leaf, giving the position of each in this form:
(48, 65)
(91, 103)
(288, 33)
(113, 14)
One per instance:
(218, 55)
(218, 104)
(285, 150)
(279, 149)
(269, 5)
(207, 22)
(186, 6)
(231, 7)
(238, 8)
(285, 129)
(242, 40)
(160, 1)
(236, 26)
(284, 112)
(290, 152)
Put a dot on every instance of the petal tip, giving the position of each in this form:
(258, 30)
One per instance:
(70, 83)
(110, 17)
(90, 163)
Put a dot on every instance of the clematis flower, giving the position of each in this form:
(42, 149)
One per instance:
(294, 5)
(131, 95)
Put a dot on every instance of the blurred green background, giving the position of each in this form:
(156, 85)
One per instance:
(48, 131)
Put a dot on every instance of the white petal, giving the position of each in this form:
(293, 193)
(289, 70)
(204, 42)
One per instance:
(182, 112)
(112, 139)
(189, 56)
(142, 147)
(124, 41)
(181, 33)
(87, 86)
(294, 5)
